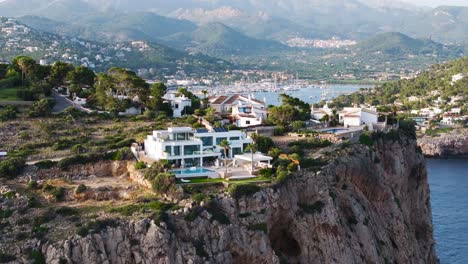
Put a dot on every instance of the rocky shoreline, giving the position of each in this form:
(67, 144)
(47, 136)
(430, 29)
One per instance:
(448, 145)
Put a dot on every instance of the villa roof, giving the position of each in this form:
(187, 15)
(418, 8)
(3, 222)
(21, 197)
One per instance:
(232, 99)
(220, 99)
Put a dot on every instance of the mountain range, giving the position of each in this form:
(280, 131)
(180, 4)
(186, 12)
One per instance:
(274, 19)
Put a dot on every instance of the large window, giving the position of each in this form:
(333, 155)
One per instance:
(181, 136)
(207, 141)
(234, 138)
(192, 150)
(176, 150)
(236, 151)
(168, 150)
(218, 140)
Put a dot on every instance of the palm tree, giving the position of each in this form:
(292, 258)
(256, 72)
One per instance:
(252, 147)
(225, 145)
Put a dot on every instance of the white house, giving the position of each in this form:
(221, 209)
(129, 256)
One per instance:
(356, 116)
(184, 146)
(245, 114)
(222, 104)
(319, 113)
(178, 103)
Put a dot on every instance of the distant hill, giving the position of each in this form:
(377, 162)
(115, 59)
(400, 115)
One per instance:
(446, 24)
(113, 27)
(217, 39)
(17, 39)
(394, 43)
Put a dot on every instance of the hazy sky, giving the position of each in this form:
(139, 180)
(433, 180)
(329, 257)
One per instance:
(437, 2)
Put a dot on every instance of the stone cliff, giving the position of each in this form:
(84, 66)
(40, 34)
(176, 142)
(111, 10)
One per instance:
(452, 144)
(369, 205)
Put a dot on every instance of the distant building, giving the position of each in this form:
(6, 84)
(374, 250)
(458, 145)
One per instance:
(224, 103)
(178, 103)
(357, 116)
(184, 146)
(319, 113)
(247, 114)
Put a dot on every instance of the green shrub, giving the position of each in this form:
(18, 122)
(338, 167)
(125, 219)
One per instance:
(57, 191)
(163, 183)
(140, 165)
(33, 203)
(37, 257)
(366, 139)
(81, 189)
(5, 213)
(198, 197)
(199, 249)
(244, 215)
(312, 208)
(258, 227)
(66, 211)
(265, 172)
(11, 167)
(97, 226)
(45, 164)
(239, 190)
(217, 213)
(4, 257)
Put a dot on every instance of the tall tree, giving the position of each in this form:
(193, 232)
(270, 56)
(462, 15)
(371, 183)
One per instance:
(58, 73)
(158, 90)
(225, 145)
(26, 65)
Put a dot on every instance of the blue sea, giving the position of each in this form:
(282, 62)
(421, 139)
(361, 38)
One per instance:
(312, 94)
(448, 181)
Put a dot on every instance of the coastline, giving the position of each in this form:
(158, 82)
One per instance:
(451, 145)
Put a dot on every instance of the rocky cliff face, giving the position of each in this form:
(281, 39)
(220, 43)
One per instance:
(368, 206)
(453, 144)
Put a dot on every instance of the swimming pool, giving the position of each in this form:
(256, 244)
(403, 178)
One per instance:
(335, 130)
(193, 172)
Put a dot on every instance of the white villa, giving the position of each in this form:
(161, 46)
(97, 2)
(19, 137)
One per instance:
(178, 103)
(319, 113)
(246, 114)
(184, 146)
(222, 104)
(358, 116)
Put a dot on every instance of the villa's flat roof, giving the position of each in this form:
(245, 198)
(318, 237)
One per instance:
(256, 157)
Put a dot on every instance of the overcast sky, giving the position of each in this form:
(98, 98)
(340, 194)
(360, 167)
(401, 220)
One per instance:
(434, 3)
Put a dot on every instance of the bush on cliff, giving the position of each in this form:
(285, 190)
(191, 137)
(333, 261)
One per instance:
(11, 167)
(240, 190)
(366, 139)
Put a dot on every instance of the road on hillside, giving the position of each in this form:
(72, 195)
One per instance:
(60, 103)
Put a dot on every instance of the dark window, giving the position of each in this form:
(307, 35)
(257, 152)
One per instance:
(207, 141)
(247, 122)
(168, 150)
(176, 150)
(181, 136)
(234, 138)
(218, 140)
(191, 150)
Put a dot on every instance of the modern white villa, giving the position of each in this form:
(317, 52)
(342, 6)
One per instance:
(178, 103)
(187, 147)
(358, 116)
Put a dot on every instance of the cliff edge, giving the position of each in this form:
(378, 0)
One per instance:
(368, 205)
(446, 145)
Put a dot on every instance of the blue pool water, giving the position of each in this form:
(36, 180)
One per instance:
(448, 181)
(189, 171)
(334, 130)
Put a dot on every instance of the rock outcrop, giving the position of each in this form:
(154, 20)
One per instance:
(452, 144)
(368, 206)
